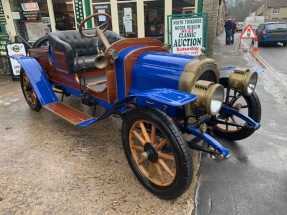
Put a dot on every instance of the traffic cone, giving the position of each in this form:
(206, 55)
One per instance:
(255, 48)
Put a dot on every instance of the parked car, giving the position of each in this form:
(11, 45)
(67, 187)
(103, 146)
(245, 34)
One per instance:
(168, 102)
(272, 33)
(239, 26)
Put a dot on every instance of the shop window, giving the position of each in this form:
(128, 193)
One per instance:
(154, 19)
(28, 18)
(127, 13)
(64, 15)
(183, 6)
(102, 8)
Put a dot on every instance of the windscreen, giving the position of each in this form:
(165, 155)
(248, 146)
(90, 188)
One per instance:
(276, 26)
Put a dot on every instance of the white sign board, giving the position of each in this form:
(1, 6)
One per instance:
(17, 50)
(187, 36)
(128, 22)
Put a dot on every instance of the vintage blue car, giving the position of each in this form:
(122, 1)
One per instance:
(168, 102)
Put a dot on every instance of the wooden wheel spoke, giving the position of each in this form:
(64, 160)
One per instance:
(234, 120)
(139, 137)
(25, 79)
(244, 106)
(144, 131)
(150, 170)
(226, 126)
(137, 147)
(161, 144)
(166, 168)
(153, 134)
(166, 156)
(135, 155)
(233, 101)
(140, 161)
(159, 172)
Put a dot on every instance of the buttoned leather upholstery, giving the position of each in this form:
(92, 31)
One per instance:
(71, 42)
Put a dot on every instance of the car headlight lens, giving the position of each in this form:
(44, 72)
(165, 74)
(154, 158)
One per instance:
(243, 80)
(210, 96)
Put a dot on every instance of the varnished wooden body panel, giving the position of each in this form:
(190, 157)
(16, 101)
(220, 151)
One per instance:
(122, 44)
(58, 72)
(67, 112)
(71, 79)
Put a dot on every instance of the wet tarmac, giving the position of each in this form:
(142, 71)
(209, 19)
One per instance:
(253, 180)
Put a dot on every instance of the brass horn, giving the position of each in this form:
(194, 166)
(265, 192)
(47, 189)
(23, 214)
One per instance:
(101, 61)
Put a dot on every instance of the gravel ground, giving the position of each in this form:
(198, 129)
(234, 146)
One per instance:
(48, 166)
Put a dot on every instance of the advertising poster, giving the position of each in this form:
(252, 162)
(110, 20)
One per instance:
(17, 50)
(187, 36)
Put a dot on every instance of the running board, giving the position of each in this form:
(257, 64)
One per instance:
(70, 114)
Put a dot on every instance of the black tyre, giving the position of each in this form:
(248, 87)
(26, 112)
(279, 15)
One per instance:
(43, 41)
(156, 152)
(250, 105)
(29, 92)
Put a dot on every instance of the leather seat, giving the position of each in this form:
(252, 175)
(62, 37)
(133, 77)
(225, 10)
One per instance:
(71, 42)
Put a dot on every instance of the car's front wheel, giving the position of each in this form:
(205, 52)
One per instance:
(157, 152)
(232, 127)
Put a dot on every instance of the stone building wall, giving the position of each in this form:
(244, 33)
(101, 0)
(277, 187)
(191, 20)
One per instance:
(216, 19)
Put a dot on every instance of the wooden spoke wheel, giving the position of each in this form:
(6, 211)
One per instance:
(232, 127)
(156, 152)
(29, 92)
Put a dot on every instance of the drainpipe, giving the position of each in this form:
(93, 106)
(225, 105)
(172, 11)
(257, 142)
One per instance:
(88, 12)
(199, 6)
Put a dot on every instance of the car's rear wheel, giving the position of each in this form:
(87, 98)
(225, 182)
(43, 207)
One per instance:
(249, 105)
(42, 41)
(28, 91)
(156, 152)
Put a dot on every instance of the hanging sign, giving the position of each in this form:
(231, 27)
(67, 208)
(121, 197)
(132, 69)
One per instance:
(15, 49)
(32, 6)
(248, 33)
(4, 40)
(187, 36)
(79, 11)
(2, 15)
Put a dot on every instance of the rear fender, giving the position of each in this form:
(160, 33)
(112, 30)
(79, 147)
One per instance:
(38, 79)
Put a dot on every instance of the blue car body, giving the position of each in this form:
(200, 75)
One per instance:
(272, 32)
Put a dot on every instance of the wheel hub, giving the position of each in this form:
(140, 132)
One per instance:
(150, 153)
(29, 87)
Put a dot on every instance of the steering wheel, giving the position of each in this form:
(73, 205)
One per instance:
(107, 24)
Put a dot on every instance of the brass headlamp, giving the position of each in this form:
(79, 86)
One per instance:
(243, 80)
(209, 96)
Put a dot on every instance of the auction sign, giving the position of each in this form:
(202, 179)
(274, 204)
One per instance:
(187, 36)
